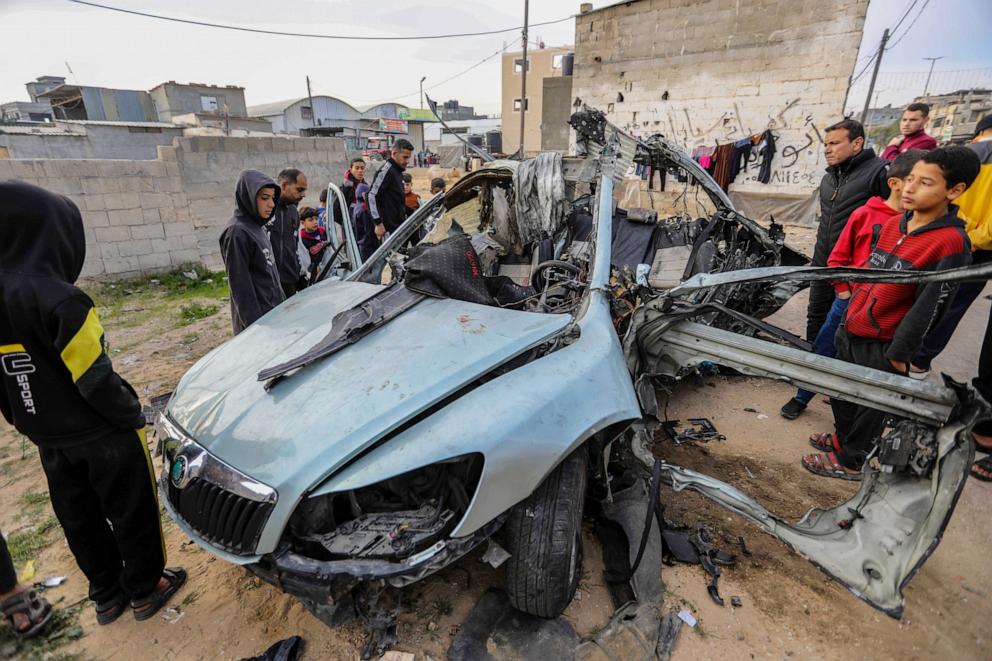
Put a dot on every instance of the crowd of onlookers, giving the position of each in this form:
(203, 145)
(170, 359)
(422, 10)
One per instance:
(916, 208)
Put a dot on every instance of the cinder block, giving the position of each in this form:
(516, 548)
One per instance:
(167, 245)
(109, 251)
(150, 231)
(124, 201)
(121, 266)
(131, 184)
(100, 185)
(177, 229)
(151, 215)
(150, 200)
(166, 153)
(6, 169)
(157, 260)
(180, 257)
(27, 169)
(95, 202)
(92, 267)
(112, 234)
(95, 218)
(135, 247)
(125, 217)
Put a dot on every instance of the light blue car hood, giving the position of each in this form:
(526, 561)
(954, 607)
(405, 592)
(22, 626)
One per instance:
(316, 420)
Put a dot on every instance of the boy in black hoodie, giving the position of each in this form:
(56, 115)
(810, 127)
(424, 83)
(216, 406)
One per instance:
(60, 390)
(252, 273)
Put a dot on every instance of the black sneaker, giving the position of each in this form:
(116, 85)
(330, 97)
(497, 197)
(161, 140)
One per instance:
(792, 409)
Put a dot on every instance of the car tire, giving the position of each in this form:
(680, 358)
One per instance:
(543, 535)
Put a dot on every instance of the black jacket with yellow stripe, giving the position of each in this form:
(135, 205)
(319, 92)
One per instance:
(58, 386)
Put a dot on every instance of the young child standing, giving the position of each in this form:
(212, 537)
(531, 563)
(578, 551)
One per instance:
(59, 388)
(410, 199)
(314, 238)
(852, 249)
(885, 323)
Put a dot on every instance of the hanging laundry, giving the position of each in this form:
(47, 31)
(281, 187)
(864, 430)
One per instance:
(742, 151)
(766, 149)
(723, 164)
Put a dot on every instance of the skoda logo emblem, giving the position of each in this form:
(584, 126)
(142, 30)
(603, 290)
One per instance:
(177, 474)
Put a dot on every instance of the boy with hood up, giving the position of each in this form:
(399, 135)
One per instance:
(58, 388)
(251, 268)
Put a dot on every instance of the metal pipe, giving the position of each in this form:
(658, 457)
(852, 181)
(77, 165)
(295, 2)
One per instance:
(523, 81)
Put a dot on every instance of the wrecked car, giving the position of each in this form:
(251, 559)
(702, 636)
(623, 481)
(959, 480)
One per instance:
(483, 366)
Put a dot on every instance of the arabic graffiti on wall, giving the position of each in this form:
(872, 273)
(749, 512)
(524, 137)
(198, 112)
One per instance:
(798, 162)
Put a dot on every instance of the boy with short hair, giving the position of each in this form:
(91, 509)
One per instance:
(314, 238)
(410, 199)
(438, 185)
(885, 323)
(852, 249)
(59, 388)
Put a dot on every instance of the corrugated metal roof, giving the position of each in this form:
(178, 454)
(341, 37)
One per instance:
(279, 107)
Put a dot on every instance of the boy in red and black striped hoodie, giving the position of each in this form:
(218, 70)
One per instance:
(885, 323)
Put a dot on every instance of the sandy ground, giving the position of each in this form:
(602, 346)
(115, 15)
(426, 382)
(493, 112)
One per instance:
(790, 609)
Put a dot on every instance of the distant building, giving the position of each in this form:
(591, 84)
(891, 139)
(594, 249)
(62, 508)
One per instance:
(171, 99)
(26, 111)
(883, 116)
(43, 84)
(452, 110)
(541, 63)
(953, 116)
(83, 102)
(330, 116)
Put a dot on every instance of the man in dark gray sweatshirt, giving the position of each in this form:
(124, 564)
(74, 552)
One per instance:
(247, 252)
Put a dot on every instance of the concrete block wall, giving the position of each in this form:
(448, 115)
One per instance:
(146, 216)
(726, 69)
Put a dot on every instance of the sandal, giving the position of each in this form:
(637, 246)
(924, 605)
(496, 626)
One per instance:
(146, 607)
(108, 611)
(827, 465)
(36, 608)
(983, 466)
(823, 442)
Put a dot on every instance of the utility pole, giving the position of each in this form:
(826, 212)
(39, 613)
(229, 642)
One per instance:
(874, 74)
(933, 60)
(422, 92)
(523, 81)
(313, 111)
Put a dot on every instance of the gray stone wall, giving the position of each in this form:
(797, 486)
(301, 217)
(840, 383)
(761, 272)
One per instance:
(92, 141)
(145, 216)
(719, 70)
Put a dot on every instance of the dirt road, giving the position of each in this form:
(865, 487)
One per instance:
(790, 609)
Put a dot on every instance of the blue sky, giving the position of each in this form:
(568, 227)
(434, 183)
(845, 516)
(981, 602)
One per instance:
(114, 50)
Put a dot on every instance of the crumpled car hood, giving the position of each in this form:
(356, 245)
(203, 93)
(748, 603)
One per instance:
(324, 415)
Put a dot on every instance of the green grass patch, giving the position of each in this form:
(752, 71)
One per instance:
(61, 629)
(26, 544)
(194, 311)
(185, 281)
(34, 499)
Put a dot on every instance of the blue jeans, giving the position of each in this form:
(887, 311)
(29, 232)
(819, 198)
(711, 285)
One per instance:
(824, 344)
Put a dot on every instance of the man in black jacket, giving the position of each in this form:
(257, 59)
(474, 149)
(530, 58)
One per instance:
(854, 174)
(386, 196)
(284, 230)
(251, 269)
(58, 388)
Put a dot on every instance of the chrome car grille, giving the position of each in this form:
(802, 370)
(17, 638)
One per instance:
(222, 505)
(219, 516)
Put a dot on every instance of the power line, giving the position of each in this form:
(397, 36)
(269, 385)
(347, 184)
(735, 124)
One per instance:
(910, 28)
(305, 34)
(904, 15)
(450, 78)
